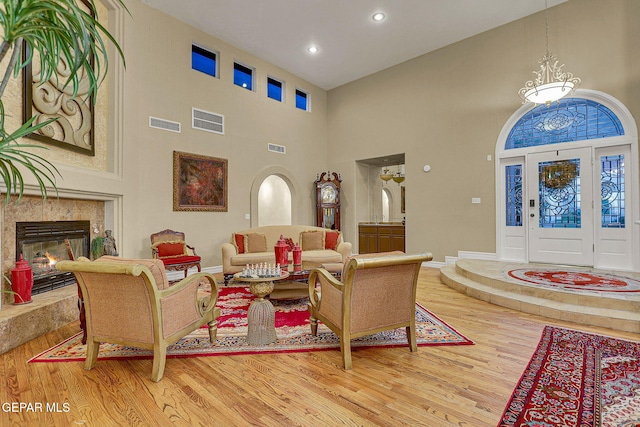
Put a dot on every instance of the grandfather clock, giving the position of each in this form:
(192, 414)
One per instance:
(328, 200)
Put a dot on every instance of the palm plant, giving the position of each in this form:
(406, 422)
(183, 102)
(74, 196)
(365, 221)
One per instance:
(52, 31)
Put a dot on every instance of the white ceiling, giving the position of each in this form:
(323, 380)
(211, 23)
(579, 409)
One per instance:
(351, 45)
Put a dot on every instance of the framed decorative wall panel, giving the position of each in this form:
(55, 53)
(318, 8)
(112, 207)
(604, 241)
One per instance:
(73, 128)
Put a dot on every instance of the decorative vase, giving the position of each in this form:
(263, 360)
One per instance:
(282, 253)
(21, 282)
(297, 258)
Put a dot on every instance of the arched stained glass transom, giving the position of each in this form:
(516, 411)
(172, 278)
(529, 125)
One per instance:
(571, 119)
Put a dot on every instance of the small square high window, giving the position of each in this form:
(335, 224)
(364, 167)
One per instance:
(302, 100)
(204, 60)
(274, 89)
(242, 76)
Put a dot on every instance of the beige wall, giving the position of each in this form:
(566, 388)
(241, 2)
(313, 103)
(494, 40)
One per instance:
(447, 108)
(161, 83)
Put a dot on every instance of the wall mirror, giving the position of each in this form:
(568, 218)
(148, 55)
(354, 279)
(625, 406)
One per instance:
(380, 187)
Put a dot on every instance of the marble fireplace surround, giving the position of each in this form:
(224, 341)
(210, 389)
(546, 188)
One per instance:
(50, 310)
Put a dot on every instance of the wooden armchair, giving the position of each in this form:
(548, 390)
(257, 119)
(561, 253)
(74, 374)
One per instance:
(130, 302)
(377, 293)
(171, 247)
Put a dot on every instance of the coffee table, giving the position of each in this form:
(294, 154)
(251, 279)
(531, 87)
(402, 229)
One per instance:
(261, 314)
(297, 284)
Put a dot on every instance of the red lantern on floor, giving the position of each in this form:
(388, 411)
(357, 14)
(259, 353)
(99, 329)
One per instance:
(282, 253)
(22, 281)
(297, 258)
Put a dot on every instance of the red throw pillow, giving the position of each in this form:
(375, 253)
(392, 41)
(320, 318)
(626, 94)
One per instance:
(239, 242)
(331, 240)
(170, 249)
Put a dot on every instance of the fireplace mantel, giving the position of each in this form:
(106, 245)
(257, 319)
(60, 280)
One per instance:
(51, 310)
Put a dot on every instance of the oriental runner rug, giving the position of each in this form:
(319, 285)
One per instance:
(576, 379)
(292, 329)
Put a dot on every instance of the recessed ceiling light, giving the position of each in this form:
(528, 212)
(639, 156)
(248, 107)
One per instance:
(313, 49)
(378, 16)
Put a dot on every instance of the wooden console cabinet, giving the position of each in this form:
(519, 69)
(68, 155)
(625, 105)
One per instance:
(380, 238)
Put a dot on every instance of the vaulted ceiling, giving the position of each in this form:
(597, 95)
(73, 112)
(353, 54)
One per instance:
(350, 43)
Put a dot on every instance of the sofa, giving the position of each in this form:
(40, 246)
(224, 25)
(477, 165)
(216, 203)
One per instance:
(256, 245)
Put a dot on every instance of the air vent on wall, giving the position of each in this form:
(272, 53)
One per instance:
(275, 148)
(207, 121)
(163, 124)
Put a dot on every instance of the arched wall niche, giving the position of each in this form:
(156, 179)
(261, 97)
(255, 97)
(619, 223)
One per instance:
(288, 178)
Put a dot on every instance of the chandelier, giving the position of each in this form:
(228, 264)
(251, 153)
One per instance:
(386, 175)
(398, 177)
(558, 174)
(550, 82)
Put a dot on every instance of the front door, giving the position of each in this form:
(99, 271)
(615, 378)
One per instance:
(560, 207)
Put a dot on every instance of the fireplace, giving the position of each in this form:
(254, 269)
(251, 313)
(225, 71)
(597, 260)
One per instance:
(44, 243)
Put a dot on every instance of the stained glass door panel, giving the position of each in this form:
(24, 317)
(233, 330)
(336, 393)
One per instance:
(513, 242)
(559, 194)
(560, 207)
(614, 232)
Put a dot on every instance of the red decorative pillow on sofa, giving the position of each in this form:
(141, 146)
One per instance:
(170, 249)
(239, 241)
(331, 239)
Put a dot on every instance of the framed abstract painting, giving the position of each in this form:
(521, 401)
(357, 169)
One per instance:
(199, 183)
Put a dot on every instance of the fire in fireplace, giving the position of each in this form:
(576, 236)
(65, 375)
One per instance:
(44, 243)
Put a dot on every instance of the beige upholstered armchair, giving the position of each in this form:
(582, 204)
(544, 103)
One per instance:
(130, 302)
(377, 293)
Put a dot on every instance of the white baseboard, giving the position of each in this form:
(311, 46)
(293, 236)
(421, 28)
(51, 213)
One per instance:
(177, 275)
(477, 255)
(213, 270)
(450, 260)
(488, 256)
(433, 264)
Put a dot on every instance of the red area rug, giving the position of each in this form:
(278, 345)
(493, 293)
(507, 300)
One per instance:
(576, 379)
(575, 280)
(292, 329)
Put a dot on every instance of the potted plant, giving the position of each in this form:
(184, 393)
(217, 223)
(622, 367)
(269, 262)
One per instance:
(54, 30)
(96, 247)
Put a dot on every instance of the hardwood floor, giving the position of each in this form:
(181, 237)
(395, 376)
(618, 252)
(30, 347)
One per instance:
(437, 386)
